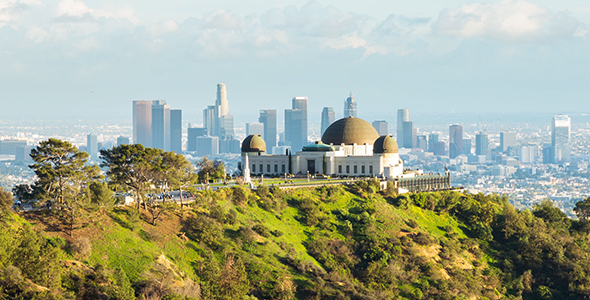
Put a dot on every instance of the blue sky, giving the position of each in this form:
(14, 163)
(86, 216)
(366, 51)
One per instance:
(88, 59)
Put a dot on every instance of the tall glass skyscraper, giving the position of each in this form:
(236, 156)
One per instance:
(350, 107)
(296, 124)
(455, 140)
(268, 117)
(481, 143)
(328, 117)
(161, 125)
(560, 138)
(142, 122)
(176, 130)
(403, 115)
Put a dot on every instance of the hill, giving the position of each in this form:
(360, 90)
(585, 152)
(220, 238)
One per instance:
(336, 242)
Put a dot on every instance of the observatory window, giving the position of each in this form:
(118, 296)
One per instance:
(283, 169)
(363, 169)
(268, 168)
(370, 169)
(356, 169)
(276, 168)
(340, 169)
(261, 168)
(253, 168)
(347, 169)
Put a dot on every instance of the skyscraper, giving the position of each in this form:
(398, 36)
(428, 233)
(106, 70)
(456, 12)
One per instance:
(142, 122)
(560, 138)
(268, 117)
(349, 107)
(161, 125)
(92, 146)
(218, 121)
(328, 117)
(466, 146)
(422, 142)
(296, 123)
(122, 140)
(481, 143)
(507, 139)
(255, 128)
(403, 115)
(432, 139)
(192, 134)
(409, 140)
(455, 140)
(381, 127)
(176, 130)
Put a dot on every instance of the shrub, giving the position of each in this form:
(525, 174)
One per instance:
(262, 230)
(412, 223)
(82, 247)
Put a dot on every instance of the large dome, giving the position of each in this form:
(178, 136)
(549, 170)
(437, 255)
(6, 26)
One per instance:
(385, 144)
(350, 131)
(253, 143)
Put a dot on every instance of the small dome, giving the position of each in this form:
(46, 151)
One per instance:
(253, 143)
(318, 147)
(350, 131)
(385, 144)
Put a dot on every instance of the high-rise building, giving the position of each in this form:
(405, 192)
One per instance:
(455, 140)
(349, 107)
(507, 139)
(560, 138)
(409, 139)
(528, 153)
(403, 115)
(548, 155)
(209, 119)
(92, 146)
(142, 122)
(122, 140)
(481, 143)
(268, 117)
(193, 133)
(216, 118)
(432, 139)
(422, 142)
(466, 146)
(439, 148)
(207, 146)
(9, 146)
(328, 117)
(23, 153)
(255, 128)
(161, 125)
(381, 127)
(176, 130)
(296, 123)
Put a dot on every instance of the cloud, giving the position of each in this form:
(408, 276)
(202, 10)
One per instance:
(508, 21)
(10, 10)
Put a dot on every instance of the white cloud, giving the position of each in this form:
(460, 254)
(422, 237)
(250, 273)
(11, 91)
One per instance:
(73, 8)
(510, 21)
(159, 28)
(37, 34)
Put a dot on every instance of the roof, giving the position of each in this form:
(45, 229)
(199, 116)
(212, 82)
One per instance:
(253, 143)
(350, 131)
(318, 147)
(385, 144)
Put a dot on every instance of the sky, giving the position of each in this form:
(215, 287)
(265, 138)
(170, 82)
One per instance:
(81, 59)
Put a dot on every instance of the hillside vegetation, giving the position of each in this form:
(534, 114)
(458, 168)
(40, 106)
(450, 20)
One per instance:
(337, 242)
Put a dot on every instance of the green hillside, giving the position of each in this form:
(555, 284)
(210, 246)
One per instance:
(336, 242)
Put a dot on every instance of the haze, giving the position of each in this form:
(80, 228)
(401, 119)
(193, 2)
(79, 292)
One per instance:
(75, 59)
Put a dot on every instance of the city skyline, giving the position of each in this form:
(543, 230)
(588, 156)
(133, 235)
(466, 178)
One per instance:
(518, 52)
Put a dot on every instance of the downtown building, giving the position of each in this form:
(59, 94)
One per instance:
(296, 123)
(560, 138)
(219, 123)
(155, 125)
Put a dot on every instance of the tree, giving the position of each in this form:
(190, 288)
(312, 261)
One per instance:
(582, 209)
(101, 195)
(62, 175)
(132, 166)
(209, 169)
(6, 201)
(179, 173)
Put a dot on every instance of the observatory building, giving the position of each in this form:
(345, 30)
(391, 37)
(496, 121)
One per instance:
(349, 147)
